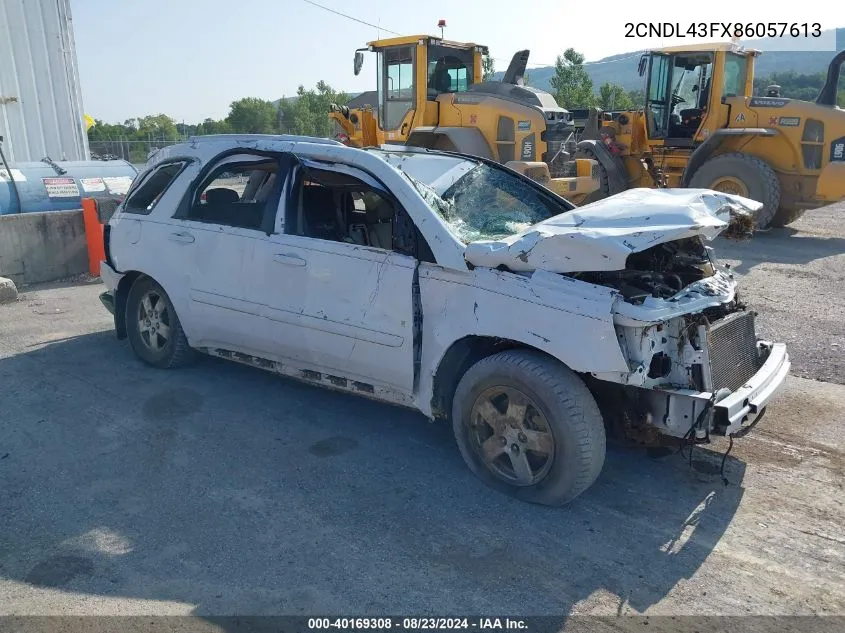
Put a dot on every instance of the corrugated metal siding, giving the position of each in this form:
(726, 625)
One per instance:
(41, 110)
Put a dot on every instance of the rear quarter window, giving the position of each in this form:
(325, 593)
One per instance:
(143, 198)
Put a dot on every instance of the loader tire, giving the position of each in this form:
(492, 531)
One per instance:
(744, 175)
(604, 183)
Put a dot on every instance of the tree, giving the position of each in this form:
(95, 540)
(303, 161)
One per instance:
(252, 115)
(637, 98)
(308, 112)
(159, 127)
(210, 126)
(571, 85)
(614, 97)
(488, 67)
(793, 85)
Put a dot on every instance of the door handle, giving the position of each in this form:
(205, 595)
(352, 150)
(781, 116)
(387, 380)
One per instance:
(290, 260)
(182, 238)
(404, 127)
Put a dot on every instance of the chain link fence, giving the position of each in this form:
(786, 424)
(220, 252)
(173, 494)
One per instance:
(135, 152)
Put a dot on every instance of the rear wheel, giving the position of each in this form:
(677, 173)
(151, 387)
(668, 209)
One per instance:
(742, 175)
(529, 427)
(153, 329)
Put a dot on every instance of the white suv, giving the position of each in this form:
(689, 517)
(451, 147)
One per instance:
(449, 284)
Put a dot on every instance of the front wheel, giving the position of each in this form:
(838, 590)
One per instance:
(528, 426)
(153, 329)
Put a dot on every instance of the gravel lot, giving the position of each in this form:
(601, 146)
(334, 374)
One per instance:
(220, 489)
(794, 278)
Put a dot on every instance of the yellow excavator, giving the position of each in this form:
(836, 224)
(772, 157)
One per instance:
(702, 127)
(430, 94)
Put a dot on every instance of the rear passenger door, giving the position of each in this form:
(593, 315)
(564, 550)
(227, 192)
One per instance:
(224, 218)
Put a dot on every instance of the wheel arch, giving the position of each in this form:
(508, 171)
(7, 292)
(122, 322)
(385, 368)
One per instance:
(719, 143)
(617, 177)
(462, 354)
(122, 295)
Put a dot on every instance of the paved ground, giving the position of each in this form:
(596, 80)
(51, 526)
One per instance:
(220, 489)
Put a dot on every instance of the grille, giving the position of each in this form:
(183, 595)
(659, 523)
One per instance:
(732, 346)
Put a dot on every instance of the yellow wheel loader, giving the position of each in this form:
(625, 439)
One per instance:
(701, 127)
(431, 94)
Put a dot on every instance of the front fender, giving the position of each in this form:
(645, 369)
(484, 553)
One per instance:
(570, 320)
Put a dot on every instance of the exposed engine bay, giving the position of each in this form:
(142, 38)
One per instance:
(661, 271)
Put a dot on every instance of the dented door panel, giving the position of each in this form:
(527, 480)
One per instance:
(345, 308)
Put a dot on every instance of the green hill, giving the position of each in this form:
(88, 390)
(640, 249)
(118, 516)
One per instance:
(622, 69)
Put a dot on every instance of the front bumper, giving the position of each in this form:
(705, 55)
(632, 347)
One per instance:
(744, 405)
(674, 412)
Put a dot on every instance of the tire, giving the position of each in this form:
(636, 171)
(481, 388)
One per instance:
(604, 183)
(165, 345)
(758, 177)
(575, 443)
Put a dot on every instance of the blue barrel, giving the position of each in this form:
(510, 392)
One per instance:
(61, 185)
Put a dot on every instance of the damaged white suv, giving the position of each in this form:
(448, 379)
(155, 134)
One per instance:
(449, 284)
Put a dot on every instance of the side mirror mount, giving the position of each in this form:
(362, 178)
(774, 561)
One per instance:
(643, 65)
(359, 61)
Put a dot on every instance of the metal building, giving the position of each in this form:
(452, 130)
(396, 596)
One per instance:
(41, 112)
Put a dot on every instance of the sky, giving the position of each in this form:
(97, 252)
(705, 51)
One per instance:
(190, 59)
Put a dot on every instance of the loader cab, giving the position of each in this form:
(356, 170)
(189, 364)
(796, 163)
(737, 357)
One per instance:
(450, 69)
(685, 89)
(411, 72)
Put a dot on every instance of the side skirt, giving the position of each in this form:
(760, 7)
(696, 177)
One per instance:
(329, 381)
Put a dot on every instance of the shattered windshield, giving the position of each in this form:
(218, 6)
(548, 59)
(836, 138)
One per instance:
(476, 200)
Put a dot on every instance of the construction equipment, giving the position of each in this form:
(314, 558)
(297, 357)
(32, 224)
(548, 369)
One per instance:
(701, 127)
(431, 94)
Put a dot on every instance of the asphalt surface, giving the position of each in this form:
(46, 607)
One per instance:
(220, 489)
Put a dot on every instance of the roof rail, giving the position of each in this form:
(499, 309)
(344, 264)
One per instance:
(263, 137)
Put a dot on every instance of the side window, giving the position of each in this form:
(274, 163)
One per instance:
(735, 66)
(238, 194)
(338, 207)
(145, 196)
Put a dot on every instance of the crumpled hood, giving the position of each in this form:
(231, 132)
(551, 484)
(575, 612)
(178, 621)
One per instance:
(600, 236)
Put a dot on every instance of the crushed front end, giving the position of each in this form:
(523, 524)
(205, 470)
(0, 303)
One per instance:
(697, 367)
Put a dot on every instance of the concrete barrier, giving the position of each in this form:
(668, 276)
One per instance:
(40, 247)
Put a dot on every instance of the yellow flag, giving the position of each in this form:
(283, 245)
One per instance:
(89, 122)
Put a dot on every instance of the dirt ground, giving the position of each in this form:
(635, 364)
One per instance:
(220, 489)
